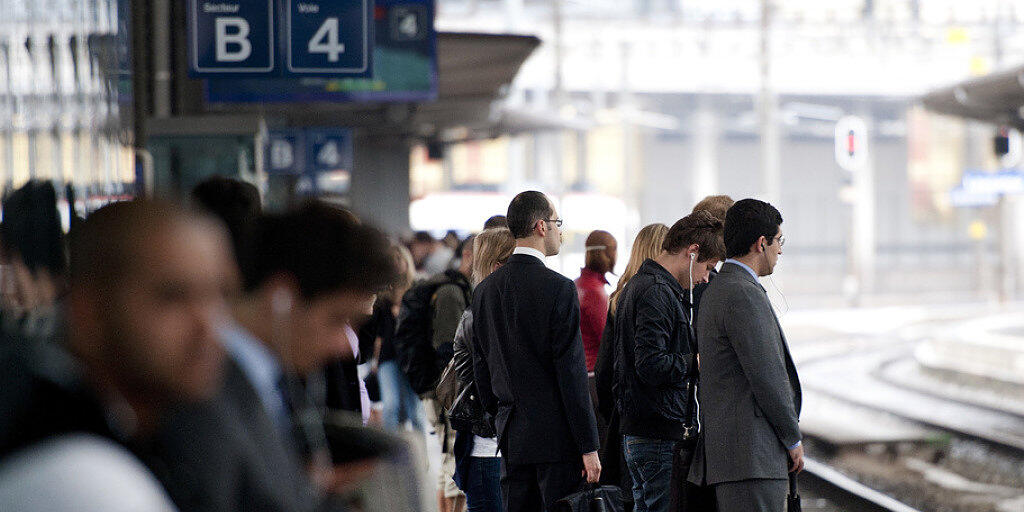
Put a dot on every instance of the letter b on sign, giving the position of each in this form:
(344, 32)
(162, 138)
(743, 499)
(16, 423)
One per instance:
(232, 39)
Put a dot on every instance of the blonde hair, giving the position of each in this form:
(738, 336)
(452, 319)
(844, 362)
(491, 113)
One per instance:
(491, 247)
(403, 280)
(647, 245)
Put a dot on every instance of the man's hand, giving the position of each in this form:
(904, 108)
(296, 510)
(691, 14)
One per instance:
(592, 467)
(796, 459)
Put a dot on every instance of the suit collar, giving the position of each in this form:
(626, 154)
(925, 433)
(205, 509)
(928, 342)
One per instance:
(732, 269)
(524, 259)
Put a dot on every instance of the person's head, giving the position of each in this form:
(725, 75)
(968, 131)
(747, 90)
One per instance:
(646, 245)
(532, 219)
(314, 271)
(33, 244)
(496, 221)
(753, 234)
(466, 255)
(405, 272)
(491, 249)
(237, 204)
(601, 251)
(423, 244)
(149, 288)
(717, 206)
(694, 242)
(451, 240)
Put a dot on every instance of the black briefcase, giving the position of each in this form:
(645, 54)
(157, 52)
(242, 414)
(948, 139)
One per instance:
(793, 500)
(604, 498)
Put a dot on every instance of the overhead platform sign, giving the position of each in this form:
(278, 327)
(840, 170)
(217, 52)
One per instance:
(403, 56)
(280, 38)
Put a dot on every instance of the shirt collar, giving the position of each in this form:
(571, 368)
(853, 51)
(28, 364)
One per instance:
(744, 267)
(257, 362)
(530, 251)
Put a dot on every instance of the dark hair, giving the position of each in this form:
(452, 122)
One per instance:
(465, 244)
(423, 237)
(525, 210)
(237, 204)
(106, 243)
(31, 229)
(699, 228)
(322, 249)
(746, 221)
(496, 221)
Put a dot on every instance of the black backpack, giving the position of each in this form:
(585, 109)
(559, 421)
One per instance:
(419, 359)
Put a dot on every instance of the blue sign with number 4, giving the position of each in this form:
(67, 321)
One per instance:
(328, 37)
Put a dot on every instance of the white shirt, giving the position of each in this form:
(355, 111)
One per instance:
(530, 251)
(485, 447)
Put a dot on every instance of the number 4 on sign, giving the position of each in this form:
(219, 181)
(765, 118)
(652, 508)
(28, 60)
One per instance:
(326, 40)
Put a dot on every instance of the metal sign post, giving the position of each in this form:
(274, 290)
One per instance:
(852, 152)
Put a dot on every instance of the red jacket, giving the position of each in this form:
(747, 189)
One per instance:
(593, 312)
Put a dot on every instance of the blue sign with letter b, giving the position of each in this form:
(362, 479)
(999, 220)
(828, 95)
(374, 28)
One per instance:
(231, 36)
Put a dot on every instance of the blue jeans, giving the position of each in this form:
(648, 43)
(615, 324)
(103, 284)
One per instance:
(650, 464)
(483, 485)
(401, 403)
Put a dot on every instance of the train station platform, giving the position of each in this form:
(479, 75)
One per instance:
(990, 347)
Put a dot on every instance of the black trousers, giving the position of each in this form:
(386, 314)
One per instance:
(536, 487)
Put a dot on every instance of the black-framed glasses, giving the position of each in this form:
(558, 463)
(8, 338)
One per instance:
(782, 240)
(558, 222)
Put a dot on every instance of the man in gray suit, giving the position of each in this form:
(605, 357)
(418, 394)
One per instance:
(749, 390)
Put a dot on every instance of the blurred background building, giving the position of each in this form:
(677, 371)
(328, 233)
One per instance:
(637, 109)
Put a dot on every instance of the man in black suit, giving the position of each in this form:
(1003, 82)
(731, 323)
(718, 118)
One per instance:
(312, 270)
(529, 366)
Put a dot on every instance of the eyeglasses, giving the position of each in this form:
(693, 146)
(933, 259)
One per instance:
(782, 241)
(558, 222)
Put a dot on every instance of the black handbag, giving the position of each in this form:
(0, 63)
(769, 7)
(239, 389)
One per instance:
(593, 498)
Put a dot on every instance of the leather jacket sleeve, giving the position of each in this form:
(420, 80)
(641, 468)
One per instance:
(463, 350)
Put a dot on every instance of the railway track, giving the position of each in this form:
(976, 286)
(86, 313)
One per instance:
(844, 493)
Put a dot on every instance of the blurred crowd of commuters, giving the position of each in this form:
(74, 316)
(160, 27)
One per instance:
(210, 356)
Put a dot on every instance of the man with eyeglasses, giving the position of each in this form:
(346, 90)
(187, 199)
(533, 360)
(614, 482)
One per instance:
(529, 366)
(749, 390)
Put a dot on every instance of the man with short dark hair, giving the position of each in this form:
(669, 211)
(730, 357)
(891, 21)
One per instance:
(430, 255)
(657, 355)
(749, 389)
(313, 270)
(149, 285)
(529, 365)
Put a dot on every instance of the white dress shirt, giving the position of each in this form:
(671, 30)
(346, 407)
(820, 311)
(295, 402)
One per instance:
(529, 251)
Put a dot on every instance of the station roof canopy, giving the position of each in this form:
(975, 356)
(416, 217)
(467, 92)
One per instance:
(474, 70)
(996, 98)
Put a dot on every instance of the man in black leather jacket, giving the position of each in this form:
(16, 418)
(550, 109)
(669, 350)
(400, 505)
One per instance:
(656, 355)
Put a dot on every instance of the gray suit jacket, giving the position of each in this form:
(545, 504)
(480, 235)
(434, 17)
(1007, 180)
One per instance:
(749, 390)
(227, 455)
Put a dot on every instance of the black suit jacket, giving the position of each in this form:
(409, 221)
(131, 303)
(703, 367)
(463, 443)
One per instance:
(529, 365)
(228, 455)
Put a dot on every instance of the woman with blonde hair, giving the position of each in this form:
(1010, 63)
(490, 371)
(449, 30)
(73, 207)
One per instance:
(477, 462)
(400, 402)
(646, 245)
